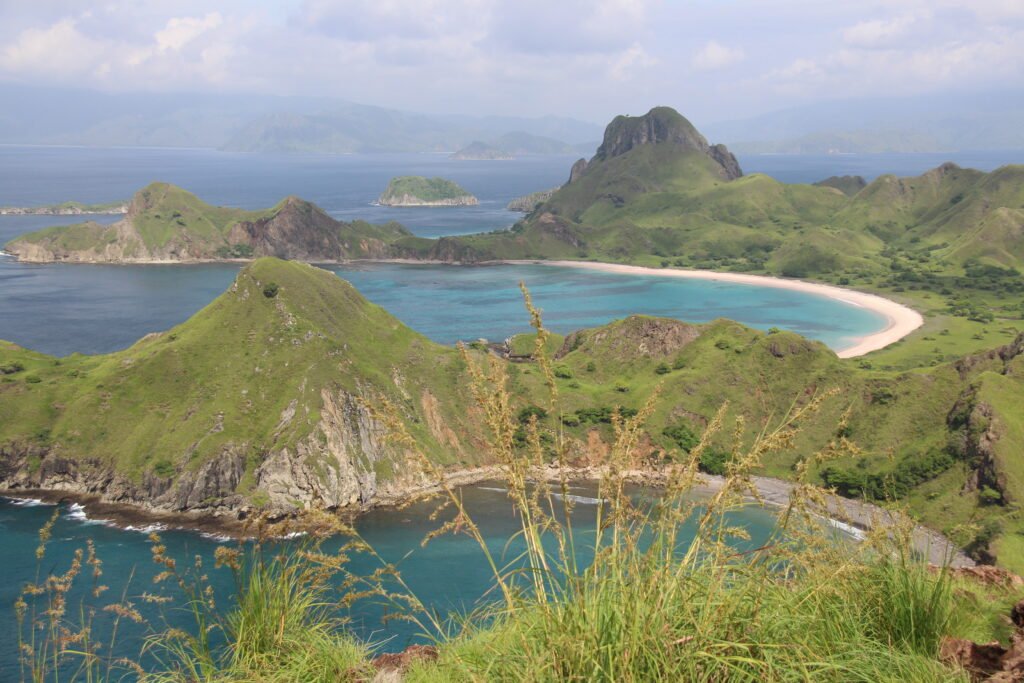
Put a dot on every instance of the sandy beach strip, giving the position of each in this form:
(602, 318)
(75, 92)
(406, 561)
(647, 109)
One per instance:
(900, 320)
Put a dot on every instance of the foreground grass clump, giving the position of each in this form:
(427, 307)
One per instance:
(670, 594)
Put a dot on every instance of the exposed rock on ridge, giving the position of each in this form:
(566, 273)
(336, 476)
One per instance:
(662, 125)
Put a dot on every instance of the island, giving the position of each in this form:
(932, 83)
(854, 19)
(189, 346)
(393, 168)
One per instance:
(167, 224)
(847, 184)
(66, 209)
(481, 151)
(412, 190)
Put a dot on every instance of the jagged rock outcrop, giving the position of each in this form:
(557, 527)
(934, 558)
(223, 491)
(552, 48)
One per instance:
(303, 231)
(662, 126)
(210, 488)
(577, 170)
(528, 203)
(337, 465)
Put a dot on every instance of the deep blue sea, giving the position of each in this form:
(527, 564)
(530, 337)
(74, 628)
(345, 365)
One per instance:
(62, 308)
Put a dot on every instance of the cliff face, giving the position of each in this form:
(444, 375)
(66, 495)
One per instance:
(662, 126)
(338, 466)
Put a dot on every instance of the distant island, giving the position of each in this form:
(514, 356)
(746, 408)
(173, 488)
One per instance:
(414, 190)
(66, 209)
(847, 184)
(481, 151)
(528, 203)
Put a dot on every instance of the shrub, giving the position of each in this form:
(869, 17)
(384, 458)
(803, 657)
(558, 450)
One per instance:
(270, 291)
(529, 412)
(715, 462)
(682, 435)
(662, 369)
(563, 372)
(11, 368)
(33, 379)
(990, 496)
(591, 366)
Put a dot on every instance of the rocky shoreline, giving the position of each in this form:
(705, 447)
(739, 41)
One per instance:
(851, 516)
(60, 210)
(410, 201)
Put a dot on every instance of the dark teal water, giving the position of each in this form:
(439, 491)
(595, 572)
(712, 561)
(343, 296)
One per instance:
(449, 575)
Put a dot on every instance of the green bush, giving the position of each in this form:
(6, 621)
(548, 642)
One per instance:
(890, 485)
(270, 291)
(11, 368)
(529, 412)
(562, 372)
(682, 435)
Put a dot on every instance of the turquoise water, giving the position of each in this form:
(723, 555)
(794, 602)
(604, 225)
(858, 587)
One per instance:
(448, 575)
(64, 308)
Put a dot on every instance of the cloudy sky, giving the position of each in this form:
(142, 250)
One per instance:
(713, 59)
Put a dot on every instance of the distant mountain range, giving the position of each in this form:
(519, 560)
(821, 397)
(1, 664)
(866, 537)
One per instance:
(249, 123)
(932, 123)
(267, 124)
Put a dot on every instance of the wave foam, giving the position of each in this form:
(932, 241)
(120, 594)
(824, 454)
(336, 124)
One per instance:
(27, 502)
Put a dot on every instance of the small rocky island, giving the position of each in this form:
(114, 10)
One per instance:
(481, 151)
(419, 191)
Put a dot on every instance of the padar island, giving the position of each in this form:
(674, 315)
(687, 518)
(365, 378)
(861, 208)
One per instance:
(291, 394)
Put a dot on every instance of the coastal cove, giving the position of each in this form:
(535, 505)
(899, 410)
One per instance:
(901, 320)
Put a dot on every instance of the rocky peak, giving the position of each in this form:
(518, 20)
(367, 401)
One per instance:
(147, 198)
(662, 126)
(578, 169)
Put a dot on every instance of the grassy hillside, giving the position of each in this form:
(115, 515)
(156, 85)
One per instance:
(276, 367)
(167, 223)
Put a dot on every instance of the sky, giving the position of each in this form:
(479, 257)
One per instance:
(590, 59)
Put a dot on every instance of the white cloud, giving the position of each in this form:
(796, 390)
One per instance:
(880, 32)
(57, 50)
(714, 56)
(623, 66)
(180, 31)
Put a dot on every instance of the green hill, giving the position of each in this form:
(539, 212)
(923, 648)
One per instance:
(656, 191)
(167, 223)
(481, 151)
(413, 190)
(260, 398)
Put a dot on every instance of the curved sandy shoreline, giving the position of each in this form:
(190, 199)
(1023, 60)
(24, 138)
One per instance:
(901, 320)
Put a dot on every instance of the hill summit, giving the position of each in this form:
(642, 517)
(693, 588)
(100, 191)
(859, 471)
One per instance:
(662, 126)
